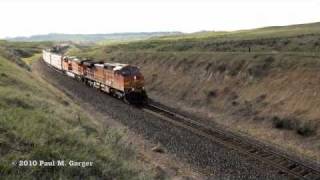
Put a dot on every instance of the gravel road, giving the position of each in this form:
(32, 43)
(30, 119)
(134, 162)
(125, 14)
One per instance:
(215, 160)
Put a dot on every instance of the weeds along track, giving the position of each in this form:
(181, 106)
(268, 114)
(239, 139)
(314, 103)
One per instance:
(191, 133)
(280, 161)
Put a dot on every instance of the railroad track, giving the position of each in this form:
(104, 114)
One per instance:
(280, 161)
(255, 150)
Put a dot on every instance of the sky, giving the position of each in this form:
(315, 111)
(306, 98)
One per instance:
(30, 17)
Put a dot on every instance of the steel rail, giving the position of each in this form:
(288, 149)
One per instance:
(279, 161)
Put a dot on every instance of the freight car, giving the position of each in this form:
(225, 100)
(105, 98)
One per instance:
(121, 80)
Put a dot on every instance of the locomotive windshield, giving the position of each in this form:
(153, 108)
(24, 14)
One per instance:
(130, 71)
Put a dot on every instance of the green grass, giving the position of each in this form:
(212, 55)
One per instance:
(38, 122)
(266, 32)
(15, 51)
(32, 59)
(214, 72)
(296, 38)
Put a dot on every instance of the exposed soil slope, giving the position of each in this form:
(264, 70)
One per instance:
(271, 92)
(213, 159)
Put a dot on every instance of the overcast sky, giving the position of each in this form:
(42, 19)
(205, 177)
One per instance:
(29, 17)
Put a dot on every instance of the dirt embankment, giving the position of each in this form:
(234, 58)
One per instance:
(213, 159)
(160, 164)
(272, 96)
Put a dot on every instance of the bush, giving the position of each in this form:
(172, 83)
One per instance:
(260, 68)
(306, 129)
(212, 94)
(284, 123)
(303, 129)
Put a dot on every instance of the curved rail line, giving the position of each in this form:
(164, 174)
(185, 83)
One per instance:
(254, 150)
(282, 162)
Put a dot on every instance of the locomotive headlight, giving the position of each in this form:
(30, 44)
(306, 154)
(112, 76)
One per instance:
(135, 77)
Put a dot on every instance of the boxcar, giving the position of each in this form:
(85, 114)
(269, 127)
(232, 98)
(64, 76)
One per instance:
(56, 61)
(53, 59)
(46, 56)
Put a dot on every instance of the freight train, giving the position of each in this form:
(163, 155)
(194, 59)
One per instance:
(123, 81)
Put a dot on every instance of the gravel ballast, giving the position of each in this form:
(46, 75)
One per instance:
(213, 159)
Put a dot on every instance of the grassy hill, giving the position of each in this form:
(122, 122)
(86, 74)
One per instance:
(38, 122)
(265, 32)
(104, 38)
(288, 38)
(261, 82)
(17, 50)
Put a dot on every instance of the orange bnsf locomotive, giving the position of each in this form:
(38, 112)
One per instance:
(121, 80)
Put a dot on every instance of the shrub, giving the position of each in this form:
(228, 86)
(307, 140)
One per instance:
(3, 75)
(222, 68)
(235, 103)
(306, 129)
(283, 123)
(212, 94)
(260, 68)
(301, 128)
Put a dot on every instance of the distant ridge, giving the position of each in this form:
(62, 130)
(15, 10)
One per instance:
(93, 37)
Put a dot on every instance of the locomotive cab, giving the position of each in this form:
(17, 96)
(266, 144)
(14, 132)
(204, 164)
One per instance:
(133, 82)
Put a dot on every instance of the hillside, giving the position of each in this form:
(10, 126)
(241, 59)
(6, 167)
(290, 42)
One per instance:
(81, 38)
(16, 51)
(263, 82)
(39, 122)
(270, 39)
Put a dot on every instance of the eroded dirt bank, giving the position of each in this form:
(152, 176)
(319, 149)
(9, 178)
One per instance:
(270, 96)
(163, 165)
(212, 159)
